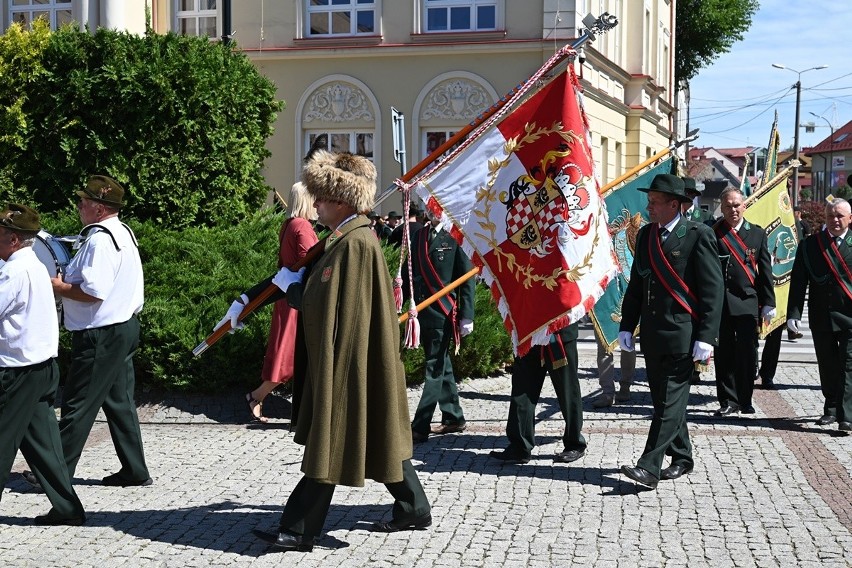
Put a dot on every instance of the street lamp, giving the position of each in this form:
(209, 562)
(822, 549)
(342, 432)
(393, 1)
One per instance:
(830, 155)
(798, 86)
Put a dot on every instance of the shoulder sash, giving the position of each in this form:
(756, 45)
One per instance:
(835, 263)
(739, 251)
(431, 279)
(670, 279)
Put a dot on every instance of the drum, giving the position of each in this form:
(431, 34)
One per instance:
(53, 252)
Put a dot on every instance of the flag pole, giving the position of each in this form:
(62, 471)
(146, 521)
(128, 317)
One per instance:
(602, 24)
(443, 291)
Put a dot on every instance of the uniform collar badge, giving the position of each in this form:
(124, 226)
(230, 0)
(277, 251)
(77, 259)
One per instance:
(326, 274)
(681, 231)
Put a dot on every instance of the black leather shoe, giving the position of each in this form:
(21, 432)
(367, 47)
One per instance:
(288, 541)
(696, 378)
(30, 478)
(727, 410)
(845, 426)
(418, 437)
(641, 476)
(115, 480)
(767, 384)
(748, 410)
(569, 456)
(454, 428)
(52, 519)
(509, 457)
(826, 419)
(416, 524)
(675, 470)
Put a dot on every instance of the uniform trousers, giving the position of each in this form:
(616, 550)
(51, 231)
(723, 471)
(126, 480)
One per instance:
(527, 381)
(668, 379)
(308, 504)
(736, 359)
(28, 422)
(439, 386)
(101, 376)
(769, 356)
(834, 360)
(606, 369)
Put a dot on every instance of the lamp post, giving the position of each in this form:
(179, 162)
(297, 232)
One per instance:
(830, 167)
(798, 86)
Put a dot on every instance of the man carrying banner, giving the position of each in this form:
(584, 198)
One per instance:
(747, 271)
(675, 290)
(824, 263)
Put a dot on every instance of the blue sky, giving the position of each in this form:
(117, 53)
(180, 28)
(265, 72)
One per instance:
(733, 101)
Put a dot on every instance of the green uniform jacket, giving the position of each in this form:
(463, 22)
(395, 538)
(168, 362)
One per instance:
(449, 262)
(353, 419)
(742, 298)
(667, 328)
(829, 309)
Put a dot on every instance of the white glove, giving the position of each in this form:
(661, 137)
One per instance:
(285, 277)
(767, 313)
(701, 351)
(465, 327)
(625, 341)
(793, 325)
(233, 314)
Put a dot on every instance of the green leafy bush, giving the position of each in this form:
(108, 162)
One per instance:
(180, 122)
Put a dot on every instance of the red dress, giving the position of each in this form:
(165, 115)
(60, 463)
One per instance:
(296, 237)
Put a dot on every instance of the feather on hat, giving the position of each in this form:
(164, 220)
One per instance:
(343, 177)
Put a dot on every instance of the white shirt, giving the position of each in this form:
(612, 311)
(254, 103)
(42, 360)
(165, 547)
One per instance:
(29, 328)
(113, 276)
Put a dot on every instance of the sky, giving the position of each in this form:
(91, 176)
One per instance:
(733, 101)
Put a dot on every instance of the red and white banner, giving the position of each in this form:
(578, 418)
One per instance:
(524, 203)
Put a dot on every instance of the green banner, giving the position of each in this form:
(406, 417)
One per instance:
(626, 207)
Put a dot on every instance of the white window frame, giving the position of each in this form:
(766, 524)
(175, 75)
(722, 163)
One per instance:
(448, 133)
(196, 14)
(51, 8)
(352, 7)
(499, 14)
(352, 134)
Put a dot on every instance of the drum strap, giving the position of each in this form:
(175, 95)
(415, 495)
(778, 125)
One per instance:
(85, 232)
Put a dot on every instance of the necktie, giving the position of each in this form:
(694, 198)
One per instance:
(663, 234)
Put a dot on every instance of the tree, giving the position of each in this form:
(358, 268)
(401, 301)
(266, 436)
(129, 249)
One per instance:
(180, 122)
(706, 29)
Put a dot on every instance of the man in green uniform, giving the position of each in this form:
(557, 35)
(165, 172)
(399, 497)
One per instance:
(675, 290)
(353, 417)
(29, 340)
(437, 260)
(558, 359)
(692, 209)
(824, 263)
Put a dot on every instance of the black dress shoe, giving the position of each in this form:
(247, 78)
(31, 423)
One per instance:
(30, 478)
(510, 457)
(748, 410)
(116, 480)
(418, 437)
(641, 476)
(285, 541)
(826, 419)
(52, 519)
(675, 470)
(767, 384)
(727, 410)
(845, 426)
(569, 456)
(416, 524)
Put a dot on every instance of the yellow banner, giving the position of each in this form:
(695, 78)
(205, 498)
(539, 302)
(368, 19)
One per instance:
(771, 208)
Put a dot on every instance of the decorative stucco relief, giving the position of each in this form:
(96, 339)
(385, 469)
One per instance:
(337, 102)
(456, 99)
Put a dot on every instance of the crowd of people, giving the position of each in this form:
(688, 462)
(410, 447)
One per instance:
(696, 287)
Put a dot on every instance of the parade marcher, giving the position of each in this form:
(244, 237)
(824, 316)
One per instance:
(29, 376)
(296, 237)
(606, 377)
(353, 418)
(692, 209)
(749, 298)
(414, 225)
(102, 291)
(559, 360)
(393, 220)
(824, 264)
(675, 291)
(437, 260)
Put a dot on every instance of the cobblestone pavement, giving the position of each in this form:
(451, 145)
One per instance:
(772, 490)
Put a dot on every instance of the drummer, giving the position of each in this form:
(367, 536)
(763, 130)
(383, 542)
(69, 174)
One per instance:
(29, 376)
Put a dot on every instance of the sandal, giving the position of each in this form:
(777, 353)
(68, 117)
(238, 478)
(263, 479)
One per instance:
(252, 404)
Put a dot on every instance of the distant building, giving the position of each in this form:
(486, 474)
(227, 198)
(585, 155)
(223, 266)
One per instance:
(832, 161)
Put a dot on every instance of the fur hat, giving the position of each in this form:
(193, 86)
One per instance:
(343, 177)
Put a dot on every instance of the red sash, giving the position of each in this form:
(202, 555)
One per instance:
(738, 249)
(826, 242)
(670, 279)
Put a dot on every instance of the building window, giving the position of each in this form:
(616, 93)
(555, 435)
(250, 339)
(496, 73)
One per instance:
(197, 18)
(432, 140)
(341, 17)
(357, 141)
(462, 15)
(56, 12)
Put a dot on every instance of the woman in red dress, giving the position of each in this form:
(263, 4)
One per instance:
(296, 237)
